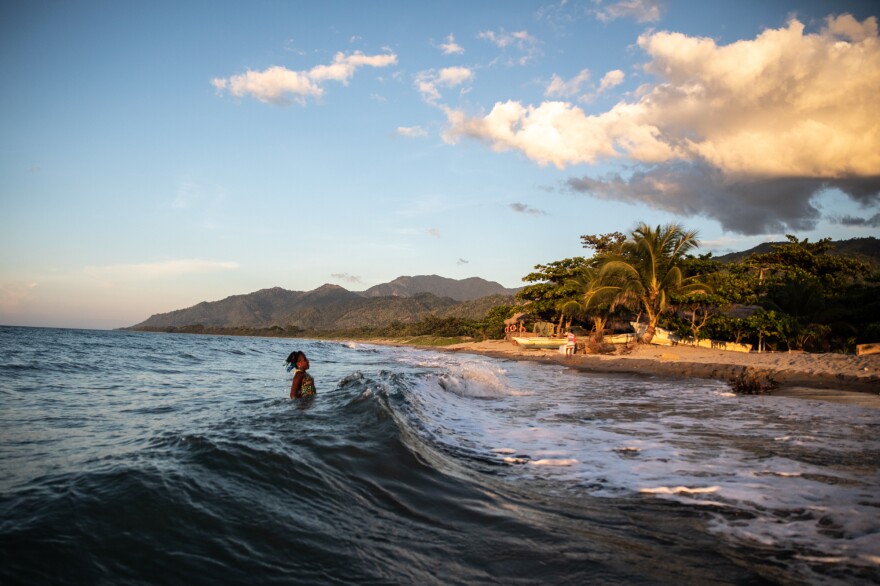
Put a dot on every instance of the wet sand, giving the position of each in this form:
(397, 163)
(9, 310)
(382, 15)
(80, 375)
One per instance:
(840, 378)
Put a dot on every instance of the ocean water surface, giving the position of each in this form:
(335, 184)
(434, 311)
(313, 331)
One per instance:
(134, 458)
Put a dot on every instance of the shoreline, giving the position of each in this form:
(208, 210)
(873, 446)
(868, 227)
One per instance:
(841, 378)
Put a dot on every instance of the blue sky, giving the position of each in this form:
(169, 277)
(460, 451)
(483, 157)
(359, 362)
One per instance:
(155, 155)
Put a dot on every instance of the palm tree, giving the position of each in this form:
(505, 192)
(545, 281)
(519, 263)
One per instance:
(580, 306)
(647, 273)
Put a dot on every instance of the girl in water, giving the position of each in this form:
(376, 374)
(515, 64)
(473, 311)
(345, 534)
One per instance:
(303, 384)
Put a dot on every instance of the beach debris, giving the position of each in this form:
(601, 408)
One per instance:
(752, 382)
(596, 345)
(866, 349)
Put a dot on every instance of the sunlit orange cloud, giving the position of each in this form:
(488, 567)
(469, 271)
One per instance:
(796, 110)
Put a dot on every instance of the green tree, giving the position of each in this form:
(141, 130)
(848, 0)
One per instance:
(693, 314)
(646, 272)
(803, 261)
(492, 324)
(771, 328)
(554, 284)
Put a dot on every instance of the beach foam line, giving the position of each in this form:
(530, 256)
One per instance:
(679, 490)
(503, 451)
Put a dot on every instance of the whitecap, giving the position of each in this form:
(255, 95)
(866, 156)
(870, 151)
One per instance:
(510, 460)
(680, 490)
(555, 462)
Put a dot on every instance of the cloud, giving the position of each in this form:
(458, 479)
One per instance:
(640, 10)
(435, 232)
(610, 80)
(158, 270)
(462, 261)
(559, 88)
(429, 82)
(579, 85)
(524, 209)
(561, 134)
(872, 222)
(411, 131)
(346, 278)
(450, 47)
(755, 206)
(522, 42)
(784, 113)
(281, 86)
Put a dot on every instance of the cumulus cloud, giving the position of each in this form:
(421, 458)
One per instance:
(346, 278)
(561, 134)
(525, 45)
(429, 82)
(611, 79)
(411, 131)
(524, 209)
(281, 86)
(766, 122)
(579, 85)
(450, 47)
(640, 10)
(158, 270)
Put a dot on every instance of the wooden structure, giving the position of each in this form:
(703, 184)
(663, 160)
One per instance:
(865, 349)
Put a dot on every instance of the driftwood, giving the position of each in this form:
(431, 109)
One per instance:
(752, 382)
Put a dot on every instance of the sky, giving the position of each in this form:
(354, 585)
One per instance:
(154, 155)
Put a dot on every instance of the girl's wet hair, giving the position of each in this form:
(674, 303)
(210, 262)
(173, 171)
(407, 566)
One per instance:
(294, 356)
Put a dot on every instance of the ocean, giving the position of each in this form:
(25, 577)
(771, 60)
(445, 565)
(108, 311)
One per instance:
(136, 458)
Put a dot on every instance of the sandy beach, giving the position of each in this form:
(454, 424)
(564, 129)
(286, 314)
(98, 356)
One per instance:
(831, 377)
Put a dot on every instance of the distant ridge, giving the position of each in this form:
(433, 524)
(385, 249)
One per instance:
(460, 290)
(405, 300)
(864, 249)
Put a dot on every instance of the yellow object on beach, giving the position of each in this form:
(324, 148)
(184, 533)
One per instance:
(666, 338)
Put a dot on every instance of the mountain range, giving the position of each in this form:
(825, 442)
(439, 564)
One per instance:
(866, 250)
(331, 307)
(404, 300)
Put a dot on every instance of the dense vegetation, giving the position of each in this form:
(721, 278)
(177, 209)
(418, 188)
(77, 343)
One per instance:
(798, 295)
(430, 330)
